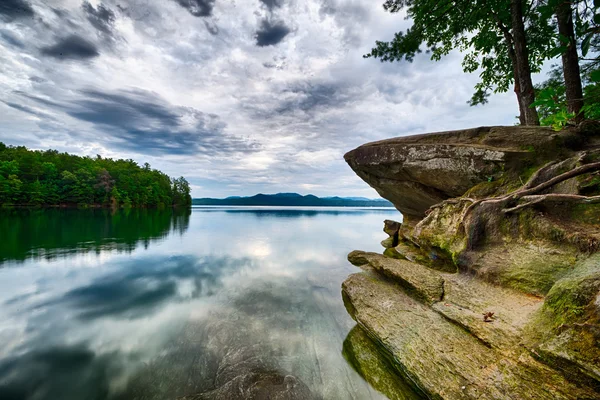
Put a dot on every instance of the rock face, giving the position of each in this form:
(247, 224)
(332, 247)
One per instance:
(504, 309)
(416, 172)
(441, 357)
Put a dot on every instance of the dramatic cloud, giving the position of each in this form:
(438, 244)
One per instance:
(142, 121)
(9, 38)
(102, 18)
(72, 47)
(272, 4)
(198, 8)
(271, 33)
(15, 9)
(26, 109)
(239, 97)
(307, 96)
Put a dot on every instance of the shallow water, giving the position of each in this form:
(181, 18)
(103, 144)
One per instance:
(155, 305)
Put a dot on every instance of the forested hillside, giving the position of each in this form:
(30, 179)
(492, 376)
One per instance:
(49, 178)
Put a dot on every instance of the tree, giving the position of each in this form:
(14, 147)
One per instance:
(104, 184)
(570, 58)
(181, 192)
(504, 40)
(525, 92)
(52, 178)
(10, 189)
(36, 193)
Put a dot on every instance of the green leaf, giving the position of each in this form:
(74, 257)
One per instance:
(546, 11)
(585, 44)
(557, 51)
(595, 76)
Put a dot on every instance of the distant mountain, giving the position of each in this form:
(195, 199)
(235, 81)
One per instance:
(292, 200)
(352, 198)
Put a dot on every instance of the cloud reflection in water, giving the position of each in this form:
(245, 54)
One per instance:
(158, 322)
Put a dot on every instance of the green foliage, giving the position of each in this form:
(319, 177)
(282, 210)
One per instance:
(480, 30)
(551, 101)
(29, 177)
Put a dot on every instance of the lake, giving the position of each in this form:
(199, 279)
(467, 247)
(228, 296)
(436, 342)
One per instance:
(143, 304)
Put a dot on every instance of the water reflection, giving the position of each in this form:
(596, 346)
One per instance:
(287, 212)
(47, 234)
(235, 301)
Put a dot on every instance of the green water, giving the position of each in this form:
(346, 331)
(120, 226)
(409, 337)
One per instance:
(145, 304)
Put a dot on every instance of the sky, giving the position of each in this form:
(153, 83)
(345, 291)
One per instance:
(238, 96)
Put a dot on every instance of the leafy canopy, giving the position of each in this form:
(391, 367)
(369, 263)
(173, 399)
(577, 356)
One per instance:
(478, 29)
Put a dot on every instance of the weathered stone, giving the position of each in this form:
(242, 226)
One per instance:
(416, 172)
(393, 253)
(467, 298)
(527, 267)
(391, 227)
(363, 355)
(441, 358)
(432, 257)
(514, 308)
(388, 243)
(424, 283)
(570, 323)
(360, 258)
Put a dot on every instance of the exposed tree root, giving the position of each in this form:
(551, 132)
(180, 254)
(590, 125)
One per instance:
(489, 211)
(563, 198)
(441, 204)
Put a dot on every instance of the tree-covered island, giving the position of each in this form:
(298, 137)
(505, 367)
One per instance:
(49, 178)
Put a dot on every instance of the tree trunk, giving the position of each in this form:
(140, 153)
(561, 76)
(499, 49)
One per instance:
(526, 94)
(570, 60)
(513, 59)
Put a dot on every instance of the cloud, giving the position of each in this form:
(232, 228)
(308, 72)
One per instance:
(72, 47)
(238, 100)
(74, 366)
(272, 4)
(198, 8)
(211, 27)
(271, 33)
(9, 38)
(14, 9)
(102, 18)
(141, 121)
(135, 292)
(27, 110)
(308, 96)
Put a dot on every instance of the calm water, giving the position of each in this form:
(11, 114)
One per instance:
(150, 305)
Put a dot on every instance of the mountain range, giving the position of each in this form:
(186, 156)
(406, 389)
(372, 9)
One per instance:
(292, 200)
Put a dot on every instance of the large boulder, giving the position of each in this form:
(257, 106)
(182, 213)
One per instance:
(416, 172)
(480, 298)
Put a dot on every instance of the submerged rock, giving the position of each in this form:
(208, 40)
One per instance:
(258, 385)
(363, 355)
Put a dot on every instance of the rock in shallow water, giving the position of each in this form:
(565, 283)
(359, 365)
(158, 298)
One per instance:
(362, 353)
(440, 357)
